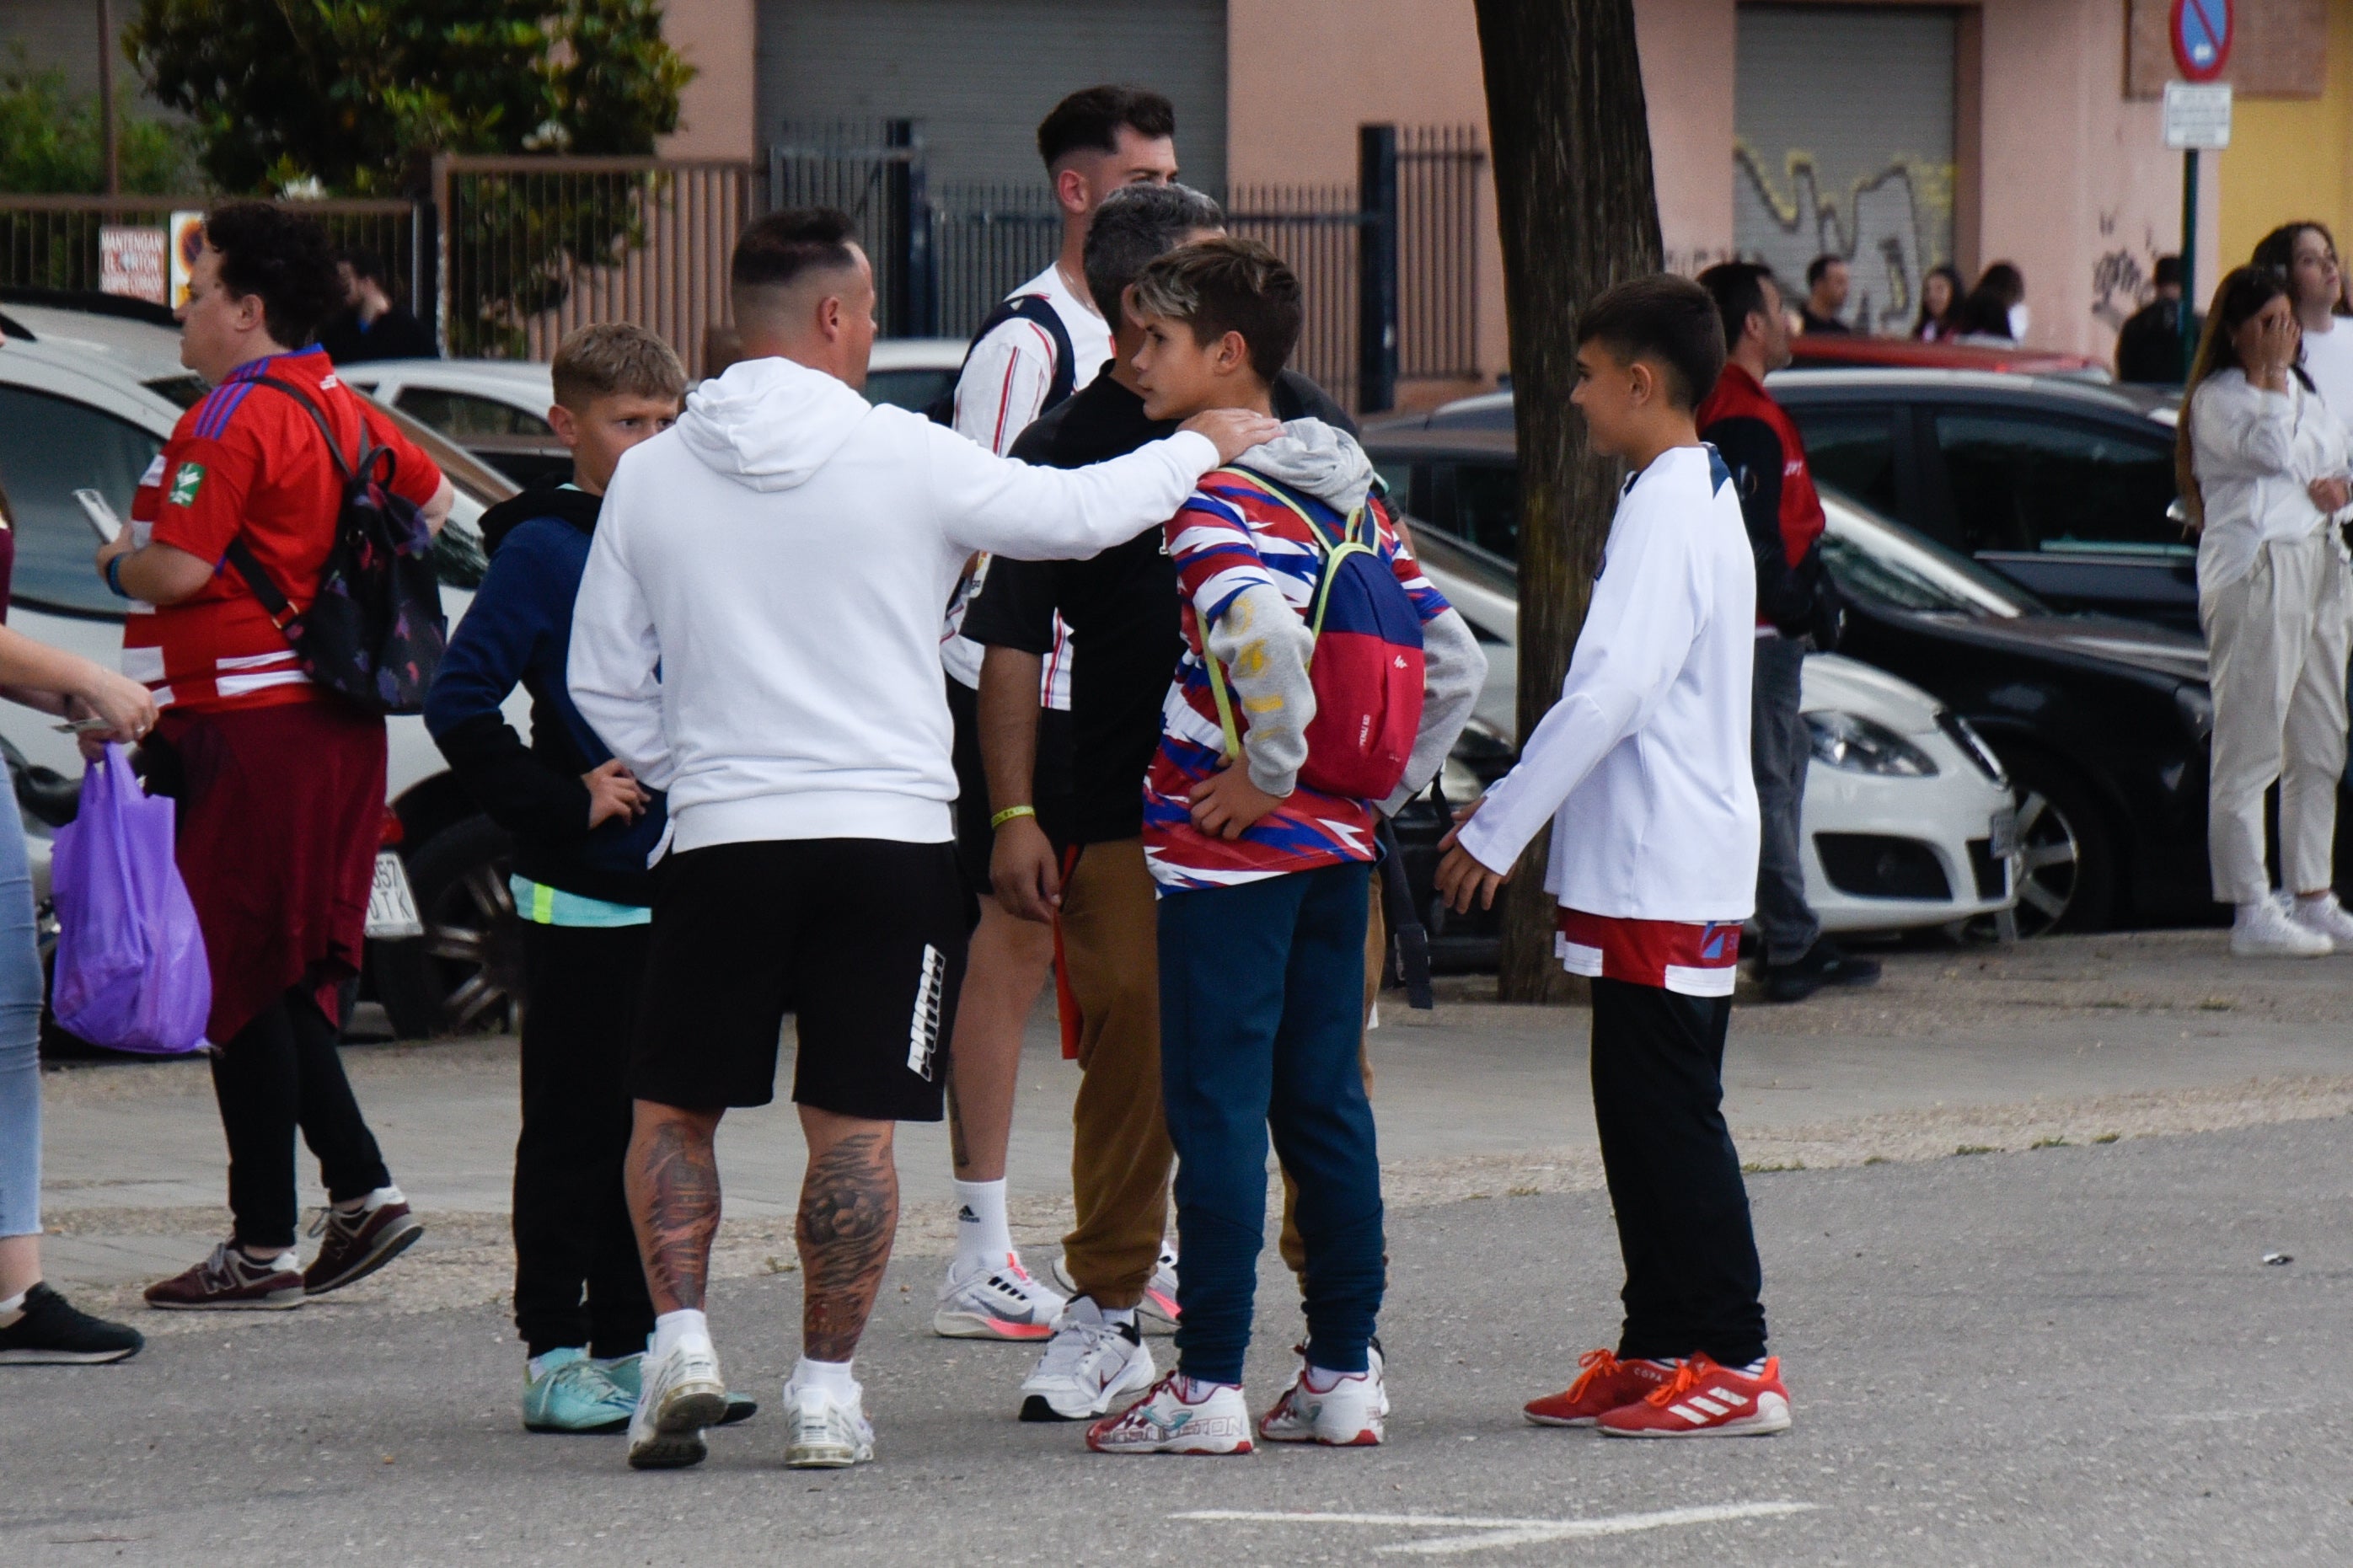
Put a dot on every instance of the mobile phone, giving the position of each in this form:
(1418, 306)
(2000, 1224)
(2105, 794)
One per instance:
(101, 516)
(84, 726)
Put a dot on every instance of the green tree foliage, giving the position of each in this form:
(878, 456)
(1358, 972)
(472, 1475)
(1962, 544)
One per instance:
(49, 140)
(358, 95)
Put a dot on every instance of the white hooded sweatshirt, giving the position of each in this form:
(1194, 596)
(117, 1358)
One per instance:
(757, 630)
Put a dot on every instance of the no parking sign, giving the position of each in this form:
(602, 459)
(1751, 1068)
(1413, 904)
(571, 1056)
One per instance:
(2201, 31)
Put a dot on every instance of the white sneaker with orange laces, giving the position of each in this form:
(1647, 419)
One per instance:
(1704, 1400)
(977, 1301)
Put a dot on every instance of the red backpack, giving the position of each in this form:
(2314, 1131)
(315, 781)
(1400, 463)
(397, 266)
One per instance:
(1366, 663)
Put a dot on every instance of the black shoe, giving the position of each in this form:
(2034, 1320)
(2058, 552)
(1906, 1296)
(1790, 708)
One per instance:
(1824, 963)
(53, 1333)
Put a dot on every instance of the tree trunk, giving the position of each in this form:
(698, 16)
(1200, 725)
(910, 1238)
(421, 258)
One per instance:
(1578, 212)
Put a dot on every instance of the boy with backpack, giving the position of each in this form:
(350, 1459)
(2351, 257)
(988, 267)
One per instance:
(583, 827)
(1258, 829)
(1643, 771)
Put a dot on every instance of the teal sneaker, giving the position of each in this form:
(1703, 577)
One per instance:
(627, 1373)
(573, 1393)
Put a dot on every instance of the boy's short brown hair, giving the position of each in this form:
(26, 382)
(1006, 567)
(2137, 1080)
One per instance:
(615, 359)
(1227, 285)
(1664, 318)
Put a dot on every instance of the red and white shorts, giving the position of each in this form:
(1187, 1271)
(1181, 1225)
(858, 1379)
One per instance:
(1694, 958)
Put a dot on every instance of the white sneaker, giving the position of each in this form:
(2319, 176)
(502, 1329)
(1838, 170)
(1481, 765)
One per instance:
(823, 1433)
(2325, 917)
(1088, 1365)
(977, 1302)
(1156, 1312)
(1164, 1422)
(1348, 1414)
(679, 1396)
(2264, 930)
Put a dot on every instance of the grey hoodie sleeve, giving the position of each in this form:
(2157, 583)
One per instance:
(1264, 646)
(1452, 670)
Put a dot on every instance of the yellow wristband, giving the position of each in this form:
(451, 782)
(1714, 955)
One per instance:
(1009, 814)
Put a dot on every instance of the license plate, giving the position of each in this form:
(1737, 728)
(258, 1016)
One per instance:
(392, 909)
(2004, 831)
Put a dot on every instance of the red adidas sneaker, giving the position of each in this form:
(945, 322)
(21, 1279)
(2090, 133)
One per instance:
(1605, 1383)
(1704, 1400)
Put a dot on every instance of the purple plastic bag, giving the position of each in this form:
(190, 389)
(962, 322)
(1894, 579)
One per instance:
(130, 974)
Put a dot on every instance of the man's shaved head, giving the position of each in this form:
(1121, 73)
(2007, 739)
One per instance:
(801, 289)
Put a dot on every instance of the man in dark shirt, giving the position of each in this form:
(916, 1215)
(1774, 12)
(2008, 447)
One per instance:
(1122, 608)
(1827, 283)
(373, 326)
(2149, 347)
(1767, 459)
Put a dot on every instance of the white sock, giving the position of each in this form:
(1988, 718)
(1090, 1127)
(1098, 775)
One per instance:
(982, 1235)
(1755, 1368)
(831, 1377)
(2247, 912)
(13, 1308)
(372, 1201)
(2314, 900)
(1117, 1317)
(1193, 1390)
(673, 1329)
(1324, 1380)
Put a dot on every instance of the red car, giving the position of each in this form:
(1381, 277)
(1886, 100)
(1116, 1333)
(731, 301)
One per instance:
(1824, 350)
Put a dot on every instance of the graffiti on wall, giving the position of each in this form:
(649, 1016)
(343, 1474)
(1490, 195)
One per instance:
(2122, 280)
(1891, 226)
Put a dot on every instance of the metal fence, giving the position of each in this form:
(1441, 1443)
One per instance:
(873, 170)
(986, 241)
(1319, 230)
(534, 246)
(1440, 171)
(51, 241)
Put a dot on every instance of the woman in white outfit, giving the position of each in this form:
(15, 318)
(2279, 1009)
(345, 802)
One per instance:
(2264, 472)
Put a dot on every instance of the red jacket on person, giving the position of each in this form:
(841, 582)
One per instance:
(1768, 459)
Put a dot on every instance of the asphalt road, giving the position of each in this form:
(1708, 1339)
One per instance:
(2066, 1355)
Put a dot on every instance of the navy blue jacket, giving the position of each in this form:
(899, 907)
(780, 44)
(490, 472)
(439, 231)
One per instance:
(519, 629)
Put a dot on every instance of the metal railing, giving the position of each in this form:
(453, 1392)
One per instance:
(51, 241)
(533, 246)
(873, 170)
(986, 241)
(1319, 230)
(1440, 171)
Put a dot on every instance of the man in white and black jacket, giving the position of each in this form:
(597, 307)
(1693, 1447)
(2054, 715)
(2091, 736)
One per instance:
(757, 636)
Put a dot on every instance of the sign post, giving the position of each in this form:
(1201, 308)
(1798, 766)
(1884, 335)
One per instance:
(2197, 115)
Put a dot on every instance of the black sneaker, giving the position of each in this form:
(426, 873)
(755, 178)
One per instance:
(1825, 964)
(52, 1332)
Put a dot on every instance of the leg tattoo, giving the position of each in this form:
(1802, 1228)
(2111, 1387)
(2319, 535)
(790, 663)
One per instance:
(959, 1155)
(673, 1183)
(849, 1209)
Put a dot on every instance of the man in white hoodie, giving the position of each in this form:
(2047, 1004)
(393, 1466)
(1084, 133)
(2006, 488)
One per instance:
(756, 635)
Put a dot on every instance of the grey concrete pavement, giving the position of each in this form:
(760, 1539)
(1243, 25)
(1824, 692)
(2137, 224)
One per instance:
(2069, 1355)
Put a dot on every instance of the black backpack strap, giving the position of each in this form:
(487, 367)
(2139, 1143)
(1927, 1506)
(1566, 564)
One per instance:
(1039, 311)
(274, 603)
(319, 417)
(1409, 943)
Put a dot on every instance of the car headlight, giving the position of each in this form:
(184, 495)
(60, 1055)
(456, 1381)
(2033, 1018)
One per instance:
(1863, 745)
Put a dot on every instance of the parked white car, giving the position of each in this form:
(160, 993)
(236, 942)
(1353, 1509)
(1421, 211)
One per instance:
(1902, 796)
(86, 401)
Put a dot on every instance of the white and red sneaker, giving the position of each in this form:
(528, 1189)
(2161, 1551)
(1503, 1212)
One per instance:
(1156, 1313)
(1704, 1400)
(1344, 1414)
(977, 1301)
(1214, 1420)
(1605, 1383)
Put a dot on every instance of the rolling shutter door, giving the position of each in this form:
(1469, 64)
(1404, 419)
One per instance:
(980, 74)
(1845, 123)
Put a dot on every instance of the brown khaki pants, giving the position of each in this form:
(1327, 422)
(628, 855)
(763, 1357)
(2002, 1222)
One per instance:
(1120, 1155)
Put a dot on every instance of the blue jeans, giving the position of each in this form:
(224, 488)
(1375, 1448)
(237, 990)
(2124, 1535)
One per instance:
(1262, 1008)
(20, 1035)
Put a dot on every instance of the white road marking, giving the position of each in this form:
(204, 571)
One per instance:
(1490, 1533)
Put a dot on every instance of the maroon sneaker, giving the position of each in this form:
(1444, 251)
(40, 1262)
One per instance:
(228, 1281)
(357, 1245)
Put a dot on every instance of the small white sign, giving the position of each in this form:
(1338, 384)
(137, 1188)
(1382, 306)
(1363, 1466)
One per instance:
(2197, 114)
(131, 262)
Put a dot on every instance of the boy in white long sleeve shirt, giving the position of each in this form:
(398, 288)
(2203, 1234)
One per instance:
(756, 634)
(1643, 769)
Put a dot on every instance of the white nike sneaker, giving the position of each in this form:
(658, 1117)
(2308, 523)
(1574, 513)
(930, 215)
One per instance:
(1156, 1312)
(823, 1433)
(2264, 930)
(1348, 1414)
(2325, 917)
(1164, 1422)
(679, 1396)
(1088, 1365)
(977, 1302)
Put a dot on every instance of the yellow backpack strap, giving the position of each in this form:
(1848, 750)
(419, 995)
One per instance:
(1349, 545)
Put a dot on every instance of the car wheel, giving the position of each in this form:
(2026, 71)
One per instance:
(2066, 866)
(464, 976)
